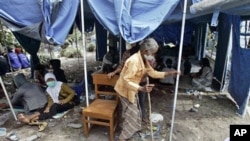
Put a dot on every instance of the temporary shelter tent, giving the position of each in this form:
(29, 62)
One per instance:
(51, 21)
(133, 21)
(41, 21)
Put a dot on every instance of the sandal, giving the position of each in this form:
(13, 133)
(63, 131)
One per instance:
(41, 125)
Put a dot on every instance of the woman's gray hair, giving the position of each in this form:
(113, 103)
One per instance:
(148, 44)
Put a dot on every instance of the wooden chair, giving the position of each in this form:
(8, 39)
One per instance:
(102, 111)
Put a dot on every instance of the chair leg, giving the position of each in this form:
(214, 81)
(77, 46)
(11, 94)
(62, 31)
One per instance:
(86, 128)
(111, 129)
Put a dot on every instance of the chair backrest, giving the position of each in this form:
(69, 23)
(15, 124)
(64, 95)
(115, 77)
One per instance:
(104, 85)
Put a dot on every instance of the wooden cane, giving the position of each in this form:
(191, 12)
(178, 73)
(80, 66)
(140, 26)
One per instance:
(149, 105)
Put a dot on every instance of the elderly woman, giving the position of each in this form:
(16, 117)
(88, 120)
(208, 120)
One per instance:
(60, 98)
(141, 95)
(127, 86)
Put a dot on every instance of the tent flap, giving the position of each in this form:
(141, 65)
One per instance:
(58, 19)
(239, 85)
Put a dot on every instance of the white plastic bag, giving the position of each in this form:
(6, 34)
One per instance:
(156, 117)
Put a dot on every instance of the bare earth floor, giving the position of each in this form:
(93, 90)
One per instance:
(209, 122)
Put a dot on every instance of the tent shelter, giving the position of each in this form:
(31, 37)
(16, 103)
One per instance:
(51, 21)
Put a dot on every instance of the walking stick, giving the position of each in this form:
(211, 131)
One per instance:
(150, 119)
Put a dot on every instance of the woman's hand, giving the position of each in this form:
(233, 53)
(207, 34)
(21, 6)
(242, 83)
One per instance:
(62, 102)
(46, 110)
(175, 72)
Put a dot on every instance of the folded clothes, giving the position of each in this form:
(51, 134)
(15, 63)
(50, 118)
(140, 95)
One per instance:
(74, 125)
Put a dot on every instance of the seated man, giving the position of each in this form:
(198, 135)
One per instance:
(109, 64)
(169, 80)
(203, 78)
(134, 48)
(109, 61)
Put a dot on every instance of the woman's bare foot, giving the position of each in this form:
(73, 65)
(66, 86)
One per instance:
(34, 117)
(22, 118)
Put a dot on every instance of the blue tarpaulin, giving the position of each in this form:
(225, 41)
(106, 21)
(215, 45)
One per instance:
(170, 33)
(132, 19)
(48, 21)
(239, 86)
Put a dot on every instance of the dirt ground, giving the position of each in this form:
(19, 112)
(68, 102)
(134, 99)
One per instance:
(209, 122)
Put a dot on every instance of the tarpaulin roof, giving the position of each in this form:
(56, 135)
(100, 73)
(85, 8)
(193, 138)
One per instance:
(50, 20)
(133, 20)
